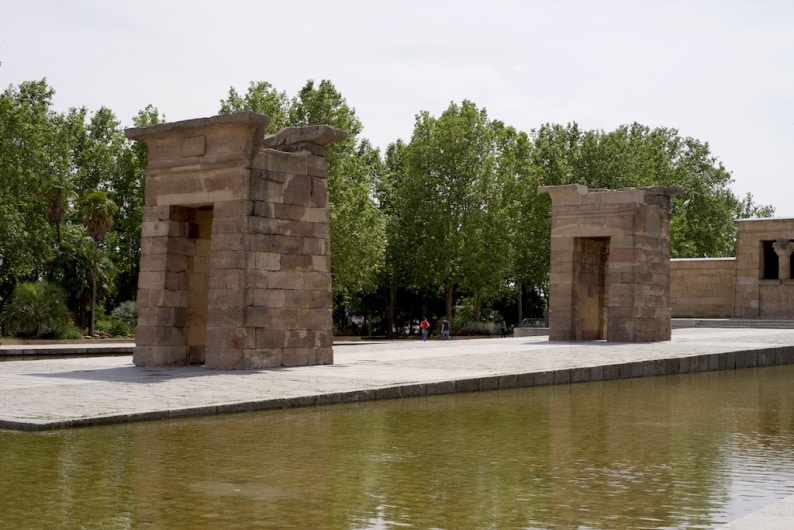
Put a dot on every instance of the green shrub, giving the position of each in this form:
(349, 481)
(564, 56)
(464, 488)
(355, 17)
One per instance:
(72, 332)
(36, 310)
(126, 312)
(119, 328)
(113, 327)
(471, 329)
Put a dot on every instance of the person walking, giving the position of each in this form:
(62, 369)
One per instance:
(425, 326)
(445, 329)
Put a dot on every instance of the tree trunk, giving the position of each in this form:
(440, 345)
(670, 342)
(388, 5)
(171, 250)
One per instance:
(520, 300)
(93, 293)
(448, 298)
(391, 302)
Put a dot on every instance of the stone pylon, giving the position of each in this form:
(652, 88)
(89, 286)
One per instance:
(235, 245)
(610, 263)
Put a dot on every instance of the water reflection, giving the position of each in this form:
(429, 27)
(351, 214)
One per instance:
(688, 451)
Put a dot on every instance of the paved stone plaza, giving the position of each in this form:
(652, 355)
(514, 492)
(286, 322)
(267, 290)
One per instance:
(57, 393)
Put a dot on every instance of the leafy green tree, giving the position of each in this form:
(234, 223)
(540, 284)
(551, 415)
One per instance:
(528, 228)
(72, 269)
(126, 312)
(357, 231)
(58, 197)
(702, 216)
(323, 104)
(263, 98)
(29, 154)
(146, 117)
(635, 155)
(357, 228)
(453, 194)
(126, 189)
(46, 158)
(748, 209)
(97, 152)
(97, 211)
(395, 280)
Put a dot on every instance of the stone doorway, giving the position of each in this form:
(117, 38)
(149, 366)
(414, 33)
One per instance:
(178, 262)
(199, 238)
(590, 287)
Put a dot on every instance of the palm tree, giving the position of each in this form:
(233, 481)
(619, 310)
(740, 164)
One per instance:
(58, 196)
(36, 310)
(97, 211)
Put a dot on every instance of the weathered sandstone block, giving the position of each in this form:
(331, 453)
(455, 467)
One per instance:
(609, 273)
(235, 250)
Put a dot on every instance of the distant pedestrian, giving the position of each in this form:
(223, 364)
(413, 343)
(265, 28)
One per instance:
(445, 329)
(425, 326)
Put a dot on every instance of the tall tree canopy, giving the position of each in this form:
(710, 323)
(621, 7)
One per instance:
(452, 198)
(48, 160)
(30, 155)
(636, 155)
(451, 218)
(466, 190)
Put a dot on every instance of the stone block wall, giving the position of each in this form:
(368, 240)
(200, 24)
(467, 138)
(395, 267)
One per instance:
(764, 286)
(610, 264)
(235, 249)
(702, 288)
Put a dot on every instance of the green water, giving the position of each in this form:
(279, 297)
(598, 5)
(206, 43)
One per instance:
(690, 451)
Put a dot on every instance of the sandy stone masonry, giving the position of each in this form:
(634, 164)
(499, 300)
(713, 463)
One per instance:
(235, 245)
(756, 284)
(764, 286)
(610, 264)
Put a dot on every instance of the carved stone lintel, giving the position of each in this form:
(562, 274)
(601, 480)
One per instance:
(298, 138)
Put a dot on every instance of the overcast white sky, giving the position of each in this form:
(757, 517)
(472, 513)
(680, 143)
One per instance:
(721, 71)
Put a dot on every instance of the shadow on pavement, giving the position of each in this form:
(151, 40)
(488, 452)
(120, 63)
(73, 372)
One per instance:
(146, 375)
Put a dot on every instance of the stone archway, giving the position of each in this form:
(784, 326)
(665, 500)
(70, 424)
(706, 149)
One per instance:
(610, 264)
(235, 251)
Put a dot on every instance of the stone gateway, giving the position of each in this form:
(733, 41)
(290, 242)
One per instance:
(610, 264)
(235, 269)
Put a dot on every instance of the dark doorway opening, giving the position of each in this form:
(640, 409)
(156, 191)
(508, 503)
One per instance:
(590, 263)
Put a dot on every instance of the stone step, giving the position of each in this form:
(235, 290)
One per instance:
(757, 323)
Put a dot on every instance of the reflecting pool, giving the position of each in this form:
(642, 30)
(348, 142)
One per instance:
(686, 451)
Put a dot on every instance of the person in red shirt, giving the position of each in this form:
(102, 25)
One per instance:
(425, 326)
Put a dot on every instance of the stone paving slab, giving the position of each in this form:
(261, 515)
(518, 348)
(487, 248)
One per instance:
(57, 393)
(776, 516)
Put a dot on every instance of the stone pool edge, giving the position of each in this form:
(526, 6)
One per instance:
(732, 360)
